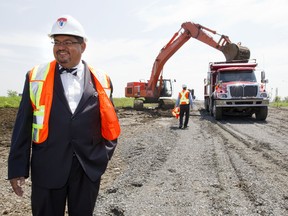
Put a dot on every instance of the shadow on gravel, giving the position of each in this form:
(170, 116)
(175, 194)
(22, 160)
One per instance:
(205, 116)
(174, 128)
(156, 112)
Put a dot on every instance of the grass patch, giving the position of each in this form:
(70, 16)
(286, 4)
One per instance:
(118, 102)
(10, 101)
(279, 104)
(15, 101)
(123, 102)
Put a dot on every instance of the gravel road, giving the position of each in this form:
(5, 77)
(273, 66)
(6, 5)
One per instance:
(237, 166)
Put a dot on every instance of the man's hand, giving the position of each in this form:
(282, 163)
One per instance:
(17, 184)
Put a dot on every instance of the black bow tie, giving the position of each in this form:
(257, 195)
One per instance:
(73, 71)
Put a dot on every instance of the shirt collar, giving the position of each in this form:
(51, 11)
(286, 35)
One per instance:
(80, 68)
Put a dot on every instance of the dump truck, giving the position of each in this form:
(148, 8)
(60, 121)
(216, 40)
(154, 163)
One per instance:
(231, 88)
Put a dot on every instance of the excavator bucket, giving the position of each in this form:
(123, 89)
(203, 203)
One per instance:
(236, 52)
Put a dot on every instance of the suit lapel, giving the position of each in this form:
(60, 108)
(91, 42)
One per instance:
(89, 89)
(58, 88)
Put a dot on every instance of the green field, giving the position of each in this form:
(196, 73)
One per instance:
(118, 102)
(10, 101)
(123, 102)
(15, 101)
(279, 104)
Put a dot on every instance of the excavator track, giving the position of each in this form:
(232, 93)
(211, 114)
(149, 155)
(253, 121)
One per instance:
(166, 104)
(138, 104)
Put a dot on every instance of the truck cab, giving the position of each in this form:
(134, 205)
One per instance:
(231, 88)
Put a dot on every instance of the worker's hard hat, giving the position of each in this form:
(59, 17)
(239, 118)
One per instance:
(184, 86)
(67, 25)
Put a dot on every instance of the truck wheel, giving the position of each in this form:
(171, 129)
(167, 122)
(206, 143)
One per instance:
(262, 113)
(210, 106)
(206, 105)
(217, 112)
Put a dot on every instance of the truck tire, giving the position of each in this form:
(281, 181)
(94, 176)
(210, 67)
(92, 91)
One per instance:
(261, 114)
(206, 104)
(217, 112)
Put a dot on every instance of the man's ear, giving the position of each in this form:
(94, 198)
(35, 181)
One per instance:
(83, 46)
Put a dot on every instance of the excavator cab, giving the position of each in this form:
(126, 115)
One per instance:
(166, 88)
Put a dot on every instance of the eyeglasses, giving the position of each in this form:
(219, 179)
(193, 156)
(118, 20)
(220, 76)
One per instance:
(64, 43)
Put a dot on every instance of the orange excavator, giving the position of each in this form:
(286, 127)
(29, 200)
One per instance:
(157, 89)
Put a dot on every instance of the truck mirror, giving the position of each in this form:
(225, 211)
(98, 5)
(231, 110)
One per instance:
(263, 76)
(208, 78)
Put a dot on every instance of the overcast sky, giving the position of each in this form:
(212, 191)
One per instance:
(125, 36)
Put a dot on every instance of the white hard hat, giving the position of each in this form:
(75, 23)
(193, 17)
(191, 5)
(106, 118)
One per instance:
(67, 25)
(184, 86)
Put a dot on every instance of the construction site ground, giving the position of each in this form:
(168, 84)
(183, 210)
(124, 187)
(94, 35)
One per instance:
(236, 166)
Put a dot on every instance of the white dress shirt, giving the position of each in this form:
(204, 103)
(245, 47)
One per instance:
(73, 86)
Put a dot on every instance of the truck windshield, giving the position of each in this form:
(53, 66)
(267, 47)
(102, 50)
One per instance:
(229, 76)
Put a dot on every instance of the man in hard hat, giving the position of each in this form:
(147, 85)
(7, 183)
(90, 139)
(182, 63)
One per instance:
(185, 101)
(67, 116)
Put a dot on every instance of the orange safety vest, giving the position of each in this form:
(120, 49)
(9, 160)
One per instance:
(184, 97)
(41, 80)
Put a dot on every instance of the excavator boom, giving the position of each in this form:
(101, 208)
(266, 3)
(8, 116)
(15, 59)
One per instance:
(230, 50)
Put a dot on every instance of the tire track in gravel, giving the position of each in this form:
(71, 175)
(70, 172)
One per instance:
(230, 199)
(213, 168)
(273, 146)
(278, 118)
(257, 172)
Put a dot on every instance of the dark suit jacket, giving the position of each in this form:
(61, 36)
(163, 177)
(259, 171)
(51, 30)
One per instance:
(70, 134)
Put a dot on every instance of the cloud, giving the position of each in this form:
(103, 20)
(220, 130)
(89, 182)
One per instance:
(126, 44)
(223, 13)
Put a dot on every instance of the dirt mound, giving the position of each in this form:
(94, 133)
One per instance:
(7, 118)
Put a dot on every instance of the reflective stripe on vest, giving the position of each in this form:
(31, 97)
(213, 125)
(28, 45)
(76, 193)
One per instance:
(103, 78)
(41, 96)
(184, 97)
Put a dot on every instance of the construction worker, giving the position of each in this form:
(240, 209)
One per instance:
(184, 101)
(67, 116)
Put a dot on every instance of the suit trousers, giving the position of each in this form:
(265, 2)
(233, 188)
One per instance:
(184, 110)
(80, 193)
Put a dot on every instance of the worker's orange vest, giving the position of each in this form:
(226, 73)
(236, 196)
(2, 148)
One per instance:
(184, 97)
(41, 95)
